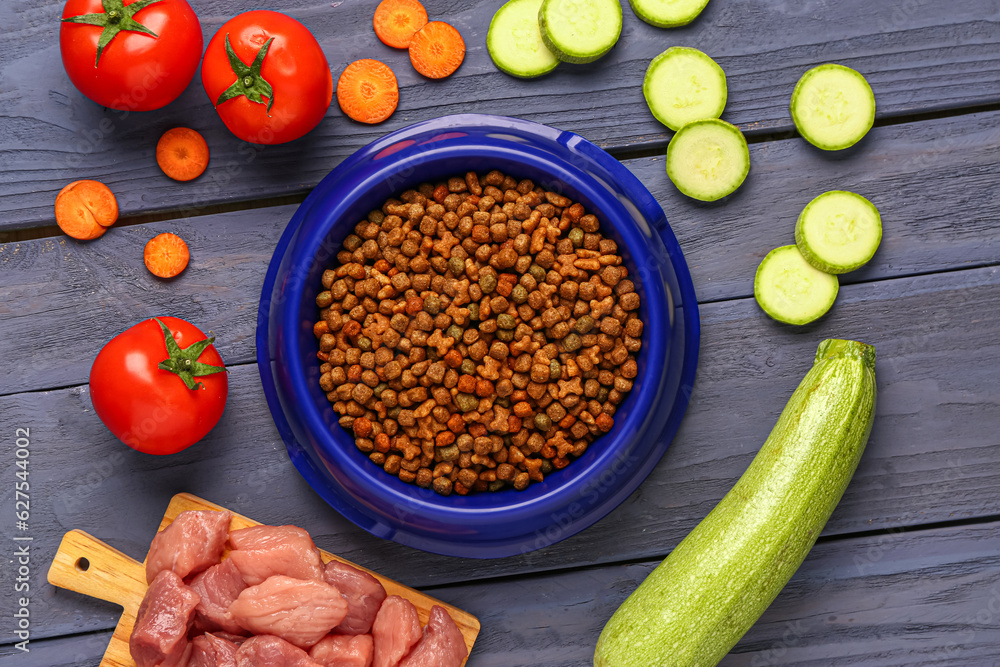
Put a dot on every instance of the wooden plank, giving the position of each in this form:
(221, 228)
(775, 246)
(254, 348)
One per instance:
(58, 295)
(79, 651)
(918, 56)
(928, 597)
(116, 578)
(922, 598)
(931, 180)
(932, 456)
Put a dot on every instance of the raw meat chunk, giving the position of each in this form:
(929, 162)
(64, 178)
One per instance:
(159, 638)
(442, 644)
(218, 586)
(230, 637)
(298, 611)
(211, 651)
(343, 651)
(395, 631)
(190, 544)
(271, 651)
(262, 551)
(364, 595)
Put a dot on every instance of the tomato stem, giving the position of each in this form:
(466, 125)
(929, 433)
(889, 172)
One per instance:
(183, 362)
(115, 18)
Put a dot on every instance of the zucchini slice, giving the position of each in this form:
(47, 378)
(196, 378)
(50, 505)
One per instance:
(515, 41)
(790, 289)
(833, 107)
(838, 231)
(683, 85)
(580, 31)
(668, 13)
(708, 159)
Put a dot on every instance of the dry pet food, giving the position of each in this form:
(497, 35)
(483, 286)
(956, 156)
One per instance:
(477, 334)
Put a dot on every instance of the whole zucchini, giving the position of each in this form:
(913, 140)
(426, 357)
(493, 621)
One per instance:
(698, 603)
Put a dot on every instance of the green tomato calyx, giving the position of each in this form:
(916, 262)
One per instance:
(184, 362)
(115, 18)
(249, 82)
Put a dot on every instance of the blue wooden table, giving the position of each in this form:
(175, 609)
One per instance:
(907, 572)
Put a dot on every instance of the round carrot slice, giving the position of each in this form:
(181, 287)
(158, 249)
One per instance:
(396, 21)
(367, 91)
(182, 154)
(166, 255)
(437, 50)
(85, 208)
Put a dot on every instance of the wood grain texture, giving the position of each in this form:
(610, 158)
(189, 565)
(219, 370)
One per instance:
(932, 457)
(934, 183)
(922, 598)
(918, 56)
(928, 597)
(59, 295)
(110, 575)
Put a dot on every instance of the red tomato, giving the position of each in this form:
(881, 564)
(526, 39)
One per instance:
(135, 71)
(151, 409)
(274, 99)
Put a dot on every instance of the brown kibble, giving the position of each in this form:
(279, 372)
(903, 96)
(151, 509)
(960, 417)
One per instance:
(610, 275)
(467, 384)
(499, 351)
(362, 427)
(629, 301)
(523, 409)
(484, 388)
(453, 359)
(361, 393)
(611, 326)
(557, 199)
(604, 422)
(455, 423)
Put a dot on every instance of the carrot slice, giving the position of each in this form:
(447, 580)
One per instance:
(182, 154)
(85, 208)
(166, 255)
(367, 91)
(437, 50)
(396, 21)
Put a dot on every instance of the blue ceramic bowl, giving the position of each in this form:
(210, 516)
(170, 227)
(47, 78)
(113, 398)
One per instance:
(485, 525)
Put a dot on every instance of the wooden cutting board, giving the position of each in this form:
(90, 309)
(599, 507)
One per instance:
(86, 565)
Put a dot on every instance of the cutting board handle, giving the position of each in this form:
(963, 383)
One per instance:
(87, 565)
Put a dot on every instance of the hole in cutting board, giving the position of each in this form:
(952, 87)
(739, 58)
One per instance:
(83, 564)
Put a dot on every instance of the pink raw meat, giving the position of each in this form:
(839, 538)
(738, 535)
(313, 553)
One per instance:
(218, 586)
(442, 645)
(343, 651)
(262, 551)
(301, 612)
(159, 638)
(192, 542)
(364, 595)
(395, 631)
(211, 651)
(271, 651)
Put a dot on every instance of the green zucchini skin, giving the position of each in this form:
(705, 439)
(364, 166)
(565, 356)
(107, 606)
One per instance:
(698, 603)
